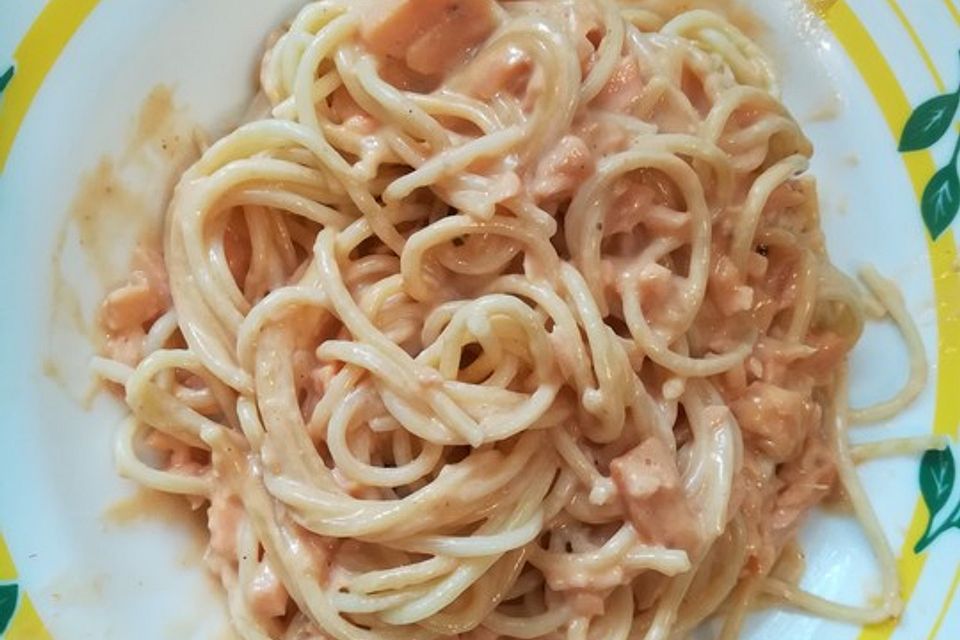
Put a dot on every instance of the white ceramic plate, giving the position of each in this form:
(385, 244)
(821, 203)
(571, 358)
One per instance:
(82, 559)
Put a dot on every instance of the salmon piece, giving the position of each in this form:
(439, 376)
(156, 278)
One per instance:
(465, 25)
(131, 305)
(180, 456)
(389, 27)
(754, 495)
(128, 309)
(145, 296)
(638, 204)
(126, 346)
(350, 114)
(603, 138)
(585, 603)
(623, 89)
(745, 117)
(322, 376)
(775, 498)
(693, 88)
(149, 261)
(563, 169)
(787, 195)
(664, 221)
(830, 350)
(223, 519)
(655, 283)
(727, 289)
(574, 576)
(632, 202)
(321, 551)
(266, 594)
(236, 247)
(431, 36)
(508, 71)
(651, 491)
(773, 419)
(778, 359)
(808, 480)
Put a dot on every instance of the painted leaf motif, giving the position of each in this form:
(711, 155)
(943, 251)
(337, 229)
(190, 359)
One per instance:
(8, 604)
(937, 476)
(941, 200)
(6, 78)
(929, 122)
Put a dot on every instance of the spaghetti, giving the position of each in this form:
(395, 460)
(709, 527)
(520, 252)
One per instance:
(509, 320)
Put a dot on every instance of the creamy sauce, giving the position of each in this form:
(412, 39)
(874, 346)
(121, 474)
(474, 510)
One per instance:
(743, 450)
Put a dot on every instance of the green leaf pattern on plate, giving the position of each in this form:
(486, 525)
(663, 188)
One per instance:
(939, 207)
(929, 122)
(8, 604)
(938, 476)
(941, 200)
(6, 78)
(925, 127)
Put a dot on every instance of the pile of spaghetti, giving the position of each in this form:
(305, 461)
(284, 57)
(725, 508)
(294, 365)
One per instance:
(504, 320)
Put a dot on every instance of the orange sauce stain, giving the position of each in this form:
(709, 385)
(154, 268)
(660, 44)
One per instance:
(149, 505)
(118, 204)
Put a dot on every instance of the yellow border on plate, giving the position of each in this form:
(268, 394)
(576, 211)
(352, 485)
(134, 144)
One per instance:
(26, 623)
(35, 56)
(942, 615)
(917, 42)
(941, 86)
(893, 102)
(952, 8)
(8, 572)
